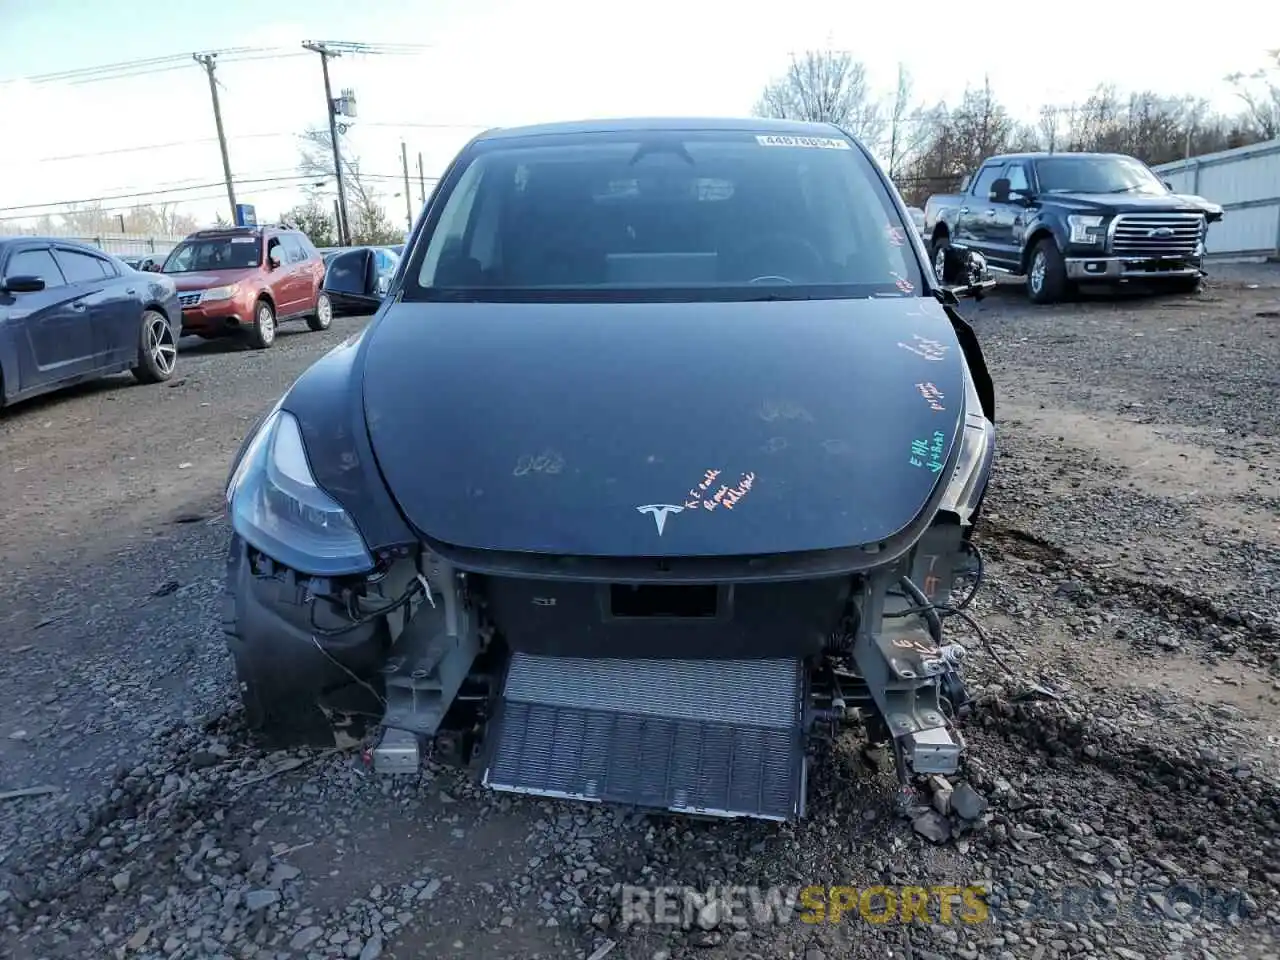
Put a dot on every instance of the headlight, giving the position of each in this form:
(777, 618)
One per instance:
(1085, 229)
(276, 505)
(219, 293)
(977, 447)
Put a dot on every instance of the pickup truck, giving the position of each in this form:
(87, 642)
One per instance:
(1060, 220)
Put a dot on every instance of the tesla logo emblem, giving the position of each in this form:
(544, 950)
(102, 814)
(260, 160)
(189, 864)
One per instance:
(660, 513)
(1160, 232)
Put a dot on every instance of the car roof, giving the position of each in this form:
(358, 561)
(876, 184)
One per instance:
(757, 125)
(6, 242)
(1058, 155)
(213, 233)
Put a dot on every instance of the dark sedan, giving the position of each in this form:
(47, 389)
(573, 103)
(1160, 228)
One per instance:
(70, 313)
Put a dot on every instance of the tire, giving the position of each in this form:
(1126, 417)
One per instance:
(1046, 273)
(263, 332)
(938, 254)
(323, 317)
(157, 349)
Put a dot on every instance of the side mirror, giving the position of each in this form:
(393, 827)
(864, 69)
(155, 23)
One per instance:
(23, 284)
(965, 273)
(999, 191)
(1167, 185)
(273, 257)
(352, 278)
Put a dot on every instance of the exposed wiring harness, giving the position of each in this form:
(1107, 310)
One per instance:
(934, 614)
(419, 585)
(972, 548)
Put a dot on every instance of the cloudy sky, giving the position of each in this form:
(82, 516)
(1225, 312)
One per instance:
(499, 62)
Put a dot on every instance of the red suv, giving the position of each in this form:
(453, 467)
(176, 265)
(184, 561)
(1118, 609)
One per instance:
(234, 280)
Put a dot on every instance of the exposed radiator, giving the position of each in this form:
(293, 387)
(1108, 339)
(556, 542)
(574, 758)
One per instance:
(713, 737)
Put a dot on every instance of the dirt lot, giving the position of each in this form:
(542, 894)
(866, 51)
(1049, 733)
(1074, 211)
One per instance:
(1129, 763)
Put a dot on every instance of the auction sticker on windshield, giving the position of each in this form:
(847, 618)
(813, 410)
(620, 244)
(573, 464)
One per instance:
(820, 143)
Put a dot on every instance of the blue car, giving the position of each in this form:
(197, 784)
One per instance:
(70, 313)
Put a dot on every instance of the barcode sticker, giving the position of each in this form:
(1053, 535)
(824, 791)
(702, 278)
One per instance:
(819, 143)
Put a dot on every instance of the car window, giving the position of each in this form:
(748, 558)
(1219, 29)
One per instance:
(986, 177)
(1097, 174)
(1017, 175)
(80, 267)
(35, 263)
(309, 251)
(294, 251)
(215, 253)
(692, 215)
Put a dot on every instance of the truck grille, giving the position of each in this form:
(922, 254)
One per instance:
(189, 299)
(1157, 234)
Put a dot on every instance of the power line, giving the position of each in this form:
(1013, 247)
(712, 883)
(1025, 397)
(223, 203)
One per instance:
(192, 183)
(94, 154)
(295, 178)
(111, 209)
(151, 65)
(234, 138)
(151, 193)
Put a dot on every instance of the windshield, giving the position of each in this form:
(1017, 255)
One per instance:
(1097, 175)
(675, 216)
(221, 253)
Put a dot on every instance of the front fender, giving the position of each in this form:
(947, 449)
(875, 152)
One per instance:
(977, 363)
(328, 403)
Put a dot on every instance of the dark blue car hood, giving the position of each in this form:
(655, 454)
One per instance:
(690, 429)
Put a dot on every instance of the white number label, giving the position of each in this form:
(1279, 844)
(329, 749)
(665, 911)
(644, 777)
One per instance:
(819, 143)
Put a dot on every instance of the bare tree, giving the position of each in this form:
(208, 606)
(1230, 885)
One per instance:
(898, 116)
(826, 86)
(1049, 126)
(369, 221)
(1260, 91)
(154, 220)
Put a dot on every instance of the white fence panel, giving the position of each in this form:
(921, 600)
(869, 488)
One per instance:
(1246, 181)
(120, 244)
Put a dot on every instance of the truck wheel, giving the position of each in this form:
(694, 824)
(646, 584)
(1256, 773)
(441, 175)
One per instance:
(938, 252)
(1047, 274)
(263, 332)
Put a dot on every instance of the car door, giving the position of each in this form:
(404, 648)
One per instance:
(49, 329)
(977, 211)
(114, 314)
(278, 278)
(301, 279)
(1005, 221)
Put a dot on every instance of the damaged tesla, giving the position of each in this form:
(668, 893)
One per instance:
(658, 462)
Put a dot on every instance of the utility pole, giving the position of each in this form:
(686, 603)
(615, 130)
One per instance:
(209, 62)
(408, 197)
(344, 233)
(422, 183)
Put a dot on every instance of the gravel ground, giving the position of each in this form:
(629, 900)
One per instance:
(1121, 799)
